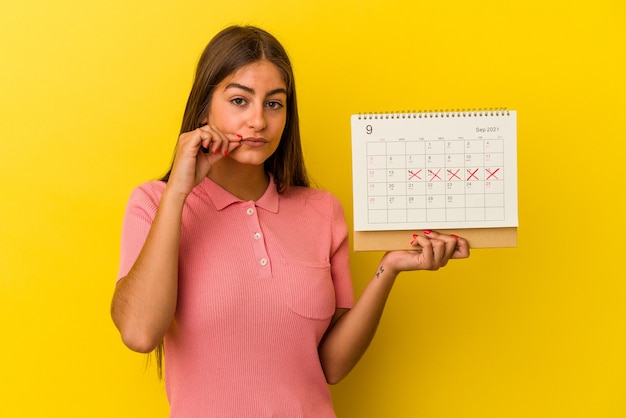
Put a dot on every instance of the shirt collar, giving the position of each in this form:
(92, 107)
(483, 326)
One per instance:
(222, 199)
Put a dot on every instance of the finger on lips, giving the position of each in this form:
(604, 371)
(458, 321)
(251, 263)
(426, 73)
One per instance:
(223, 145)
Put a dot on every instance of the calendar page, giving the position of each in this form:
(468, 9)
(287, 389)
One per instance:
(429, 170)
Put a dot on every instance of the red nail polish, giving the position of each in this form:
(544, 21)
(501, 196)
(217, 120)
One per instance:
(427, 231)
(239, 136)
(225, 152)
(216, 151)
(414, 235)
(455, 236)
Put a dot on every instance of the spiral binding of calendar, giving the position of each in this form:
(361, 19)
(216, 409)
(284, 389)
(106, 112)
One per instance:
(448, 113)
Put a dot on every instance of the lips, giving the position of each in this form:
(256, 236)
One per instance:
(254, 142)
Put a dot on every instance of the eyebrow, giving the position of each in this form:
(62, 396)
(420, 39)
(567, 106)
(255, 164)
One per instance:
(251, 90)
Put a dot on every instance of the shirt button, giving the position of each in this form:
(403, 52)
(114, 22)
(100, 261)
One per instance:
(257, 236)
(263, 261)
(250, 211)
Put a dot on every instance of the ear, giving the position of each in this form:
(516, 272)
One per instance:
(205, 119)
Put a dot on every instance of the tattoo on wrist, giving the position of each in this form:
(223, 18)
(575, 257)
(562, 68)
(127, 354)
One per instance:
(380, 271)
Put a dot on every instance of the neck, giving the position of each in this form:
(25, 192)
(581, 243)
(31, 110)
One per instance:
(244, 181)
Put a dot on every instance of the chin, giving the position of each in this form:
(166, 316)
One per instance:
(248, 160)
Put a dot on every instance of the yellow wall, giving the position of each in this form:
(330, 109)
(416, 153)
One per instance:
(91, 96)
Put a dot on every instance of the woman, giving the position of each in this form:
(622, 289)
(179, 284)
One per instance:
(237, 264)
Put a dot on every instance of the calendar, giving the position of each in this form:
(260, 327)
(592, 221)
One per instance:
(434, 170)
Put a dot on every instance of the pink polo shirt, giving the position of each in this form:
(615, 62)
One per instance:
(258, 285)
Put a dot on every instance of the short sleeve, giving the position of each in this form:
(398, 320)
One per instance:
(340, 257)
(138, 217)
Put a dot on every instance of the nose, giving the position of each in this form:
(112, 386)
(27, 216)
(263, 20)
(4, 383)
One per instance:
(257, 120)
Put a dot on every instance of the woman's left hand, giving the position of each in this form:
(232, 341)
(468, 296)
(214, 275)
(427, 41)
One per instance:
(433, 250)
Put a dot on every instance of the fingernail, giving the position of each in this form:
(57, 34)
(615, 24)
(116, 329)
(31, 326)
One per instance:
(239, 136)
(216, 151)
(427, 231)
(455, 236)
(414, 236)
(225, 152)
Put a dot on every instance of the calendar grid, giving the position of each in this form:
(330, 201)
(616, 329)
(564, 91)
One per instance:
(435, 180)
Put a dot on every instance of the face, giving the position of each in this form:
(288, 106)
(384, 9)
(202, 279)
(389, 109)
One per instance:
(251, 102)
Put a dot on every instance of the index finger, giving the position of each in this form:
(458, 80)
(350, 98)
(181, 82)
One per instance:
(212, 139)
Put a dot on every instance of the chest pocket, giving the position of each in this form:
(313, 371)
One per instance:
(308, 287)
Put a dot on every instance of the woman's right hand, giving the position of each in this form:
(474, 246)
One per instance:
(196, 152)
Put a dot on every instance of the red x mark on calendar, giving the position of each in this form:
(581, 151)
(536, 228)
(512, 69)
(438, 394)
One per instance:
(434, 175)
(472, 174)
(454, 175)
(413, 175)
(492, 173)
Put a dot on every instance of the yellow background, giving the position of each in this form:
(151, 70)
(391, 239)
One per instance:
(91, 97)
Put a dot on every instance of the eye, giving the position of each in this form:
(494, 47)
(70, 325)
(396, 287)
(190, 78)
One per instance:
(274, 105)
(238, 101)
